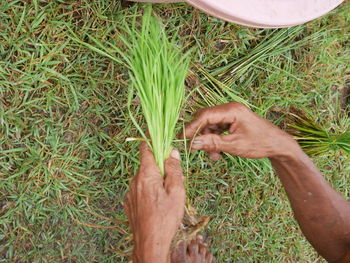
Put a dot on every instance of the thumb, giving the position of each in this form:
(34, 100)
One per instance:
(173, 173)
(213, 143)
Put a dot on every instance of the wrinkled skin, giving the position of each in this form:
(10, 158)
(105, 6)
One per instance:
(250, 136)
(155, 206)
(194, 251)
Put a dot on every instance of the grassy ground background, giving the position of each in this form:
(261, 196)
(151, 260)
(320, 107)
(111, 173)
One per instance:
(64, 165)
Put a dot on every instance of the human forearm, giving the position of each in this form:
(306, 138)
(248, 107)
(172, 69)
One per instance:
(322, 213)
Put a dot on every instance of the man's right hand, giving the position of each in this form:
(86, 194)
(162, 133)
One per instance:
(250, 136)
(322, 213)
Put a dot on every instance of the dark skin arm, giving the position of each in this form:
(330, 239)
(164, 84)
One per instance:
(322, 213)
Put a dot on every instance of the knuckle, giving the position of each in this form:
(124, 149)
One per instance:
(145, 172)
(236, 105)
(149, 184)
(200, 113)
(238, 108)
(178, 190)
(233, 104)
(144, 182)
(214, 142)
(174, 168)
(170, 169)
(173, 165)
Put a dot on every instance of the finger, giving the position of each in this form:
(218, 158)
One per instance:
(146, 156)
(179, 253)
(196, 125)
(193, 248)
(173, 173)
(217, 115)
(215, 156)
(148, 167)
(213, 143)
(207, 130)
(209, 258)
(202, 249)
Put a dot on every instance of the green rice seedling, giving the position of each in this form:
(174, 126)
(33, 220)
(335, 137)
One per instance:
(312, 137)
(157, 71)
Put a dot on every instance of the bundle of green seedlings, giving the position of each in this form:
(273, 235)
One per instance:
(312, 137)
(157, 71)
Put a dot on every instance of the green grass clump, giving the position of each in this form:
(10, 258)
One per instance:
(312, 137)
(157, 71)
(276, 43)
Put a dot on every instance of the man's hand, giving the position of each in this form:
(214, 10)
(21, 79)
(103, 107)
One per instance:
(249, 135)
(155, 206)
(322, 213)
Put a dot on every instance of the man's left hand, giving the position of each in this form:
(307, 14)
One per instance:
(155, 206)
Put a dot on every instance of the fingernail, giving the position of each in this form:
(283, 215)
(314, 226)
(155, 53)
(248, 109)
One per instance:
(175, 154)
(196, 146)
(197, 141)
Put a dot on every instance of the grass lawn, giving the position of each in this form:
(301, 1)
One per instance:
(64, 162)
